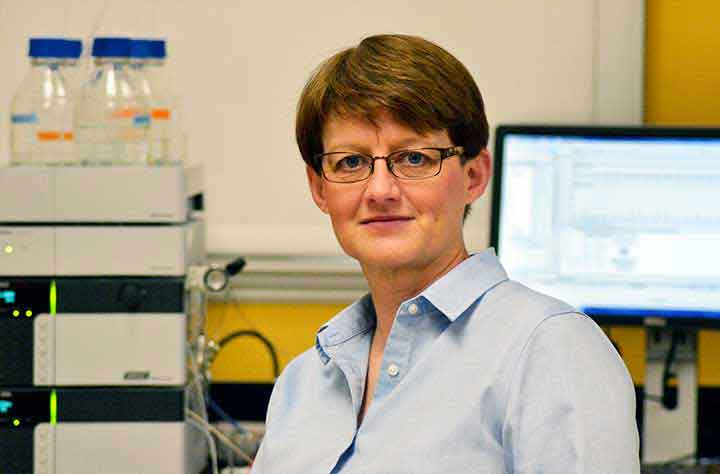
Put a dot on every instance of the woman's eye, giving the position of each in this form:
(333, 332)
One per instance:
(350, 162)
(415, 158)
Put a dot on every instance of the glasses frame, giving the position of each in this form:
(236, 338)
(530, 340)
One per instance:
(445, 153)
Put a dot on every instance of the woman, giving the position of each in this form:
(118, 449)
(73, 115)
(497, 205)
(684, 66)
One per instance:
(447, 365)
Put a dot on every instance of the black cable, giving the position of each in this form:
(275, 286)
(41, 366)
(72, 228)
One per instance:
(271, 349)
(670, 398)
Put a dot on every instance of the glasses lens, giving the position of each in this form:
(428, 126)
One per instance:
(346, 167)
(416, 164)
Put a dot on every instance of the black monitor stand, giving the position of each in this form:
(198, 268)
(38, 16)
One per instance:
(671, 396)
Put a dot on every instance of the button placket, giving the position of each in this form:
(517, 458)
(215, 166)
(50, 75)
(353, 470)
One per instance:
(398, 347)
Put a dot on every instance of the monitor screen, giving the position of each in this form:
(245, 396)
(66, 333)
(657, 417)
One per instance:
(623, 223)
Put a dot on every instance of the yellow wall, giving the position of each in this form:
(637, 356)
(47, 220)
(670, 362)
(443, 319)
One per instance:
(682, 73)
(682, 87)
(290, 328)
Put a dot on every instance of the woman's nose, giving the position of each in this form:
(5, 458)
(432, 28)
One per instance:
(382, 184)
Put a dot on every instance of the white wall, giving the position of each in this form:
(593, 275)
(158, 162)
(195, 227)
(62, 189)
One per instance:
(240, 66)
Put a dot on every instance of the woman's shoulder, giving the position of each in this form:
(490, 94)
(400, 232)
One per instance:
(528, 301)
(299, 367)
(516, 321)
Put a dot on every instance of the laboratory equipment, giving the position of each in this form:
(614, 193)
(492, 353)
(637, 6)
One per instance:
(61, 281)
(41, 120)
(92, 332)
(623, 223)
(90, 195)
(93, 312)
(111, 117)
(94, 430)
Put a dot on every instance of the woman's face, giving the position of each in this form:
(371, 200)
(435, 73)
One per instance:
(388, 222)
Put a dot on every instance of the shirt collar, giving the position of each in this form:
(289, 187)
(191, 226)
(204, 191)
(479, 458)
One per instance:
(452, 295)
(455, 291)
(348, 323)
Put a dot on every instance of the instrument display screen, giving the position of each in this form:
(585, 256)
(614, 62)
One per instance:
(24, 298)
(22, 407)
(7, 297)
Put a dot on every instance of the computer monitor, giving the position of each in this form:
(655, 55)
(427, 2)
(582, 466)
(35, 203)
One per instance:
(623, 223)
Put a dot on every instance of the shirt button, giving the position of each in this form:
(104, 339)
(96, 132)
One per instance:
(393, 370)
(413, 308)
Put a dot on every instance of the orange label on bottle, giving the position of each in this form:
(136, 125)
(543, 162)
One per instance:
(126, 113)
(48, 136)
(161, 114)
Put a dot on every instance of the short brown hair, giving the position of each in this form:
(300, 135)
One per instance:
(417, 82)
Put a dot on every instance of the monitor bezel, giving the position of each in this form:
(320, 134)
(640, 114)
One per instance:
(593, 131)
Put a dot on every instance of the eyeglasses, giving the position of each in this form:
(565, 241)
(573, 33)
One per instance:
(351, 167)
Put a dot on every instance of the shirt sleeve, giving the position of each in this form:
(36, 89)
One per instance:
(571, 405)
(281, 393)
(260, 462)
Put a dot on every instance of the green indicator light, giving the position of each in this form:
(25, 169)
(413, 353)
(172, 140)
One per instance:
(28, 313)
(16, 422)
(16, 313)
(53, 407)
(9, 249)
(53, 298)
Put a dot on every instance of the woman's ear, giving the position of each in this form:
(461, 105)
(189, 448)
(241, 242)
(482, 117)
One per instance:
(317, 188)
(478, 172)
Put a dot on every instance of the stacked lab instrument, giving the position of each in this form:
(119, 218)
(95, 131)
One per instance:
(93, 324)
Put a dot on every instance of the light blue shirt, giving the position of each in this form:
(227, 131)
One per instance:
(479, 375)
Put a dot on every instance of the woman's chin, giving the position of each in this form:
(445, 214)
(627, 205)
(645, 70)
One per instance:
(390, 258)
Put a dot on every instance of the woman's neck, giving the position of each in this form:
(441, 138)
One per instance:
(389, 287)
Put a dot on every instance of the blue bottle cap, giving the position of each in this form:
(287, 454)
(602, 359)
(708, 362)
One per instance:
(54, 48)
(73, 48)
(111, 47)
(148, 49)
(157, 49)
